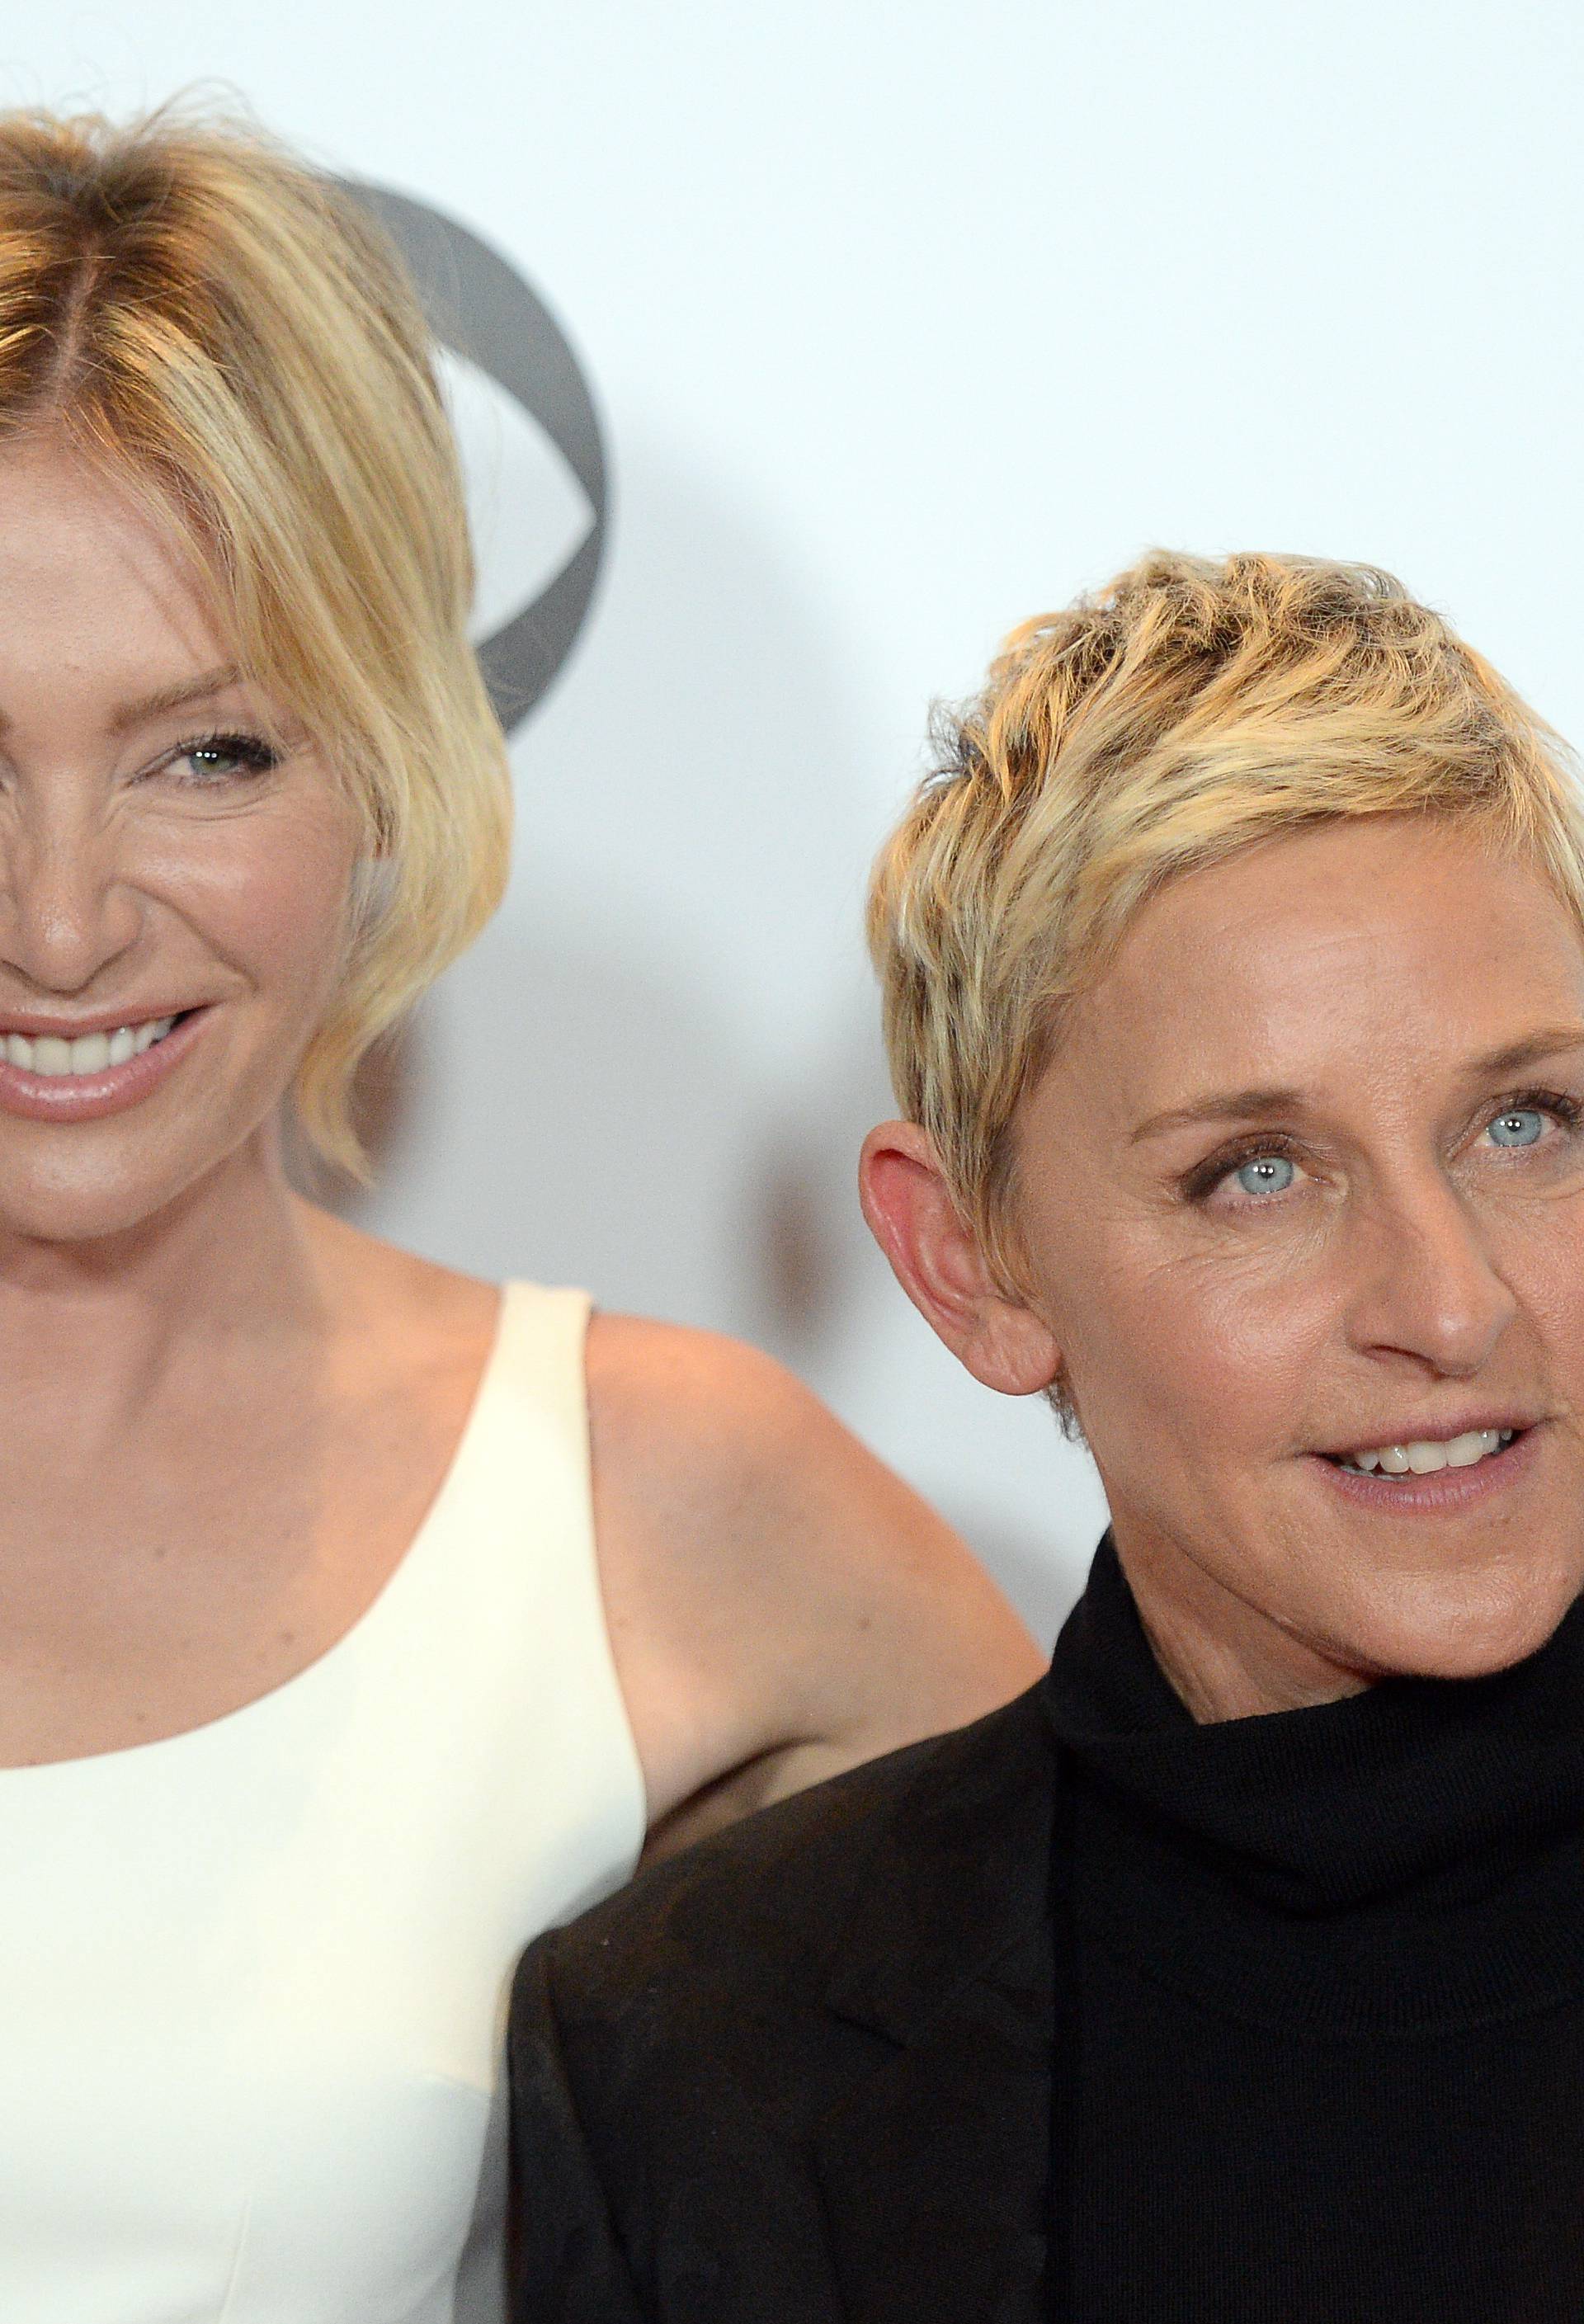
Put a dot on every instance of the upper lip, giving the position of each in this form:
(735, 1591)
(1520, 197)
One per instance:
(102, 1020)
(1440, 1430)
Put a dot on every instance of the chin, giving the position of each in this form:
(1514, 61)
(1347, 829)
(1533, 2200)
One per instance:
(1471, 1625)
(81, 1207)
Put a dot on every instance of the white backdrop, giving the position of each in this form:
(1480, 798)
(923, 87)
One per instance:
(903, 322)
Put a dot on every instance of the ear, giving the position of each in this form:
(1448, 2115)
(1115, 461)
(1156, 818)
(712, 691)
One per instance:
(936, 1259)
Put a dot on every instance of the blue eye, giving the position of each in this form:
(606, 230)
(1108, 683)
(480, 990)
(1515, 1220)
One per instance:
(1266, 1174)
(1520, 1125)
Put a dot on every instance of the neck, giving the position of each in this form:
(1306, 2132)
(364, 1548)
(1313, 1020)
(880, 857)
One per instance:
(232, 1259)
(1224, 1658)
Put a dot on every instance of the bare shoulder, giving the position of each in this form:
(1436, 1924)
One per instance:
(781, 1604)
(693, 1409)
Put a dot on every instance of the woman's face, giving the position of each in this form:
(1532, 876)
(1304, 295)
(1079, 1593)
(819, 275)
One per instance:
(1305, 1183)
(175, 865)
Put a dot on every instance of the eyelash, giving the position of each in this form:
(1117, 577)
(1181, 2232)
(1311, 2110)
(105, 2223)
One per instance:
(1204, 1178)
(253, 755)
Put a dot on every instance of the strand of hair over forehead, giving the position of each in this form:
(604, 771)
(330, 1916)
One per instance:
(1176, 718)
(235, 336)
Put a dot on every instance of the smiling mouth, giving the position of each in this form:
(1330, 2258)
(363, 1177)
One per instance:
(54, 1058)
(1422, 1456)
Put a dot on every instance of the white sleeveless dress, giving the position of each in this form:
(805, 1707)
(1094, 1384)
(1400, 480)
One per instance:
(252, 1978)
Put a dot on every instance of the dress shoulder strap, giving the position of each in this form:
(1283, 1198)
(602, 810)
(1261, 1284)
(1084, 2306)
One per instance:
(537, 1361)
(516, 1555)
(526, 1457)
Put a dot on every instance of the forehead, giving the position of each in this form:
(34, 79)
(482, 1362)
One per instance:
(76, 544)
(1386, 946)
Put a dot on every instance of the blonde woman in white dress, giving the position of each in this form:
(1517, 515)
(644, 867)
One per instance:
(334, 1664)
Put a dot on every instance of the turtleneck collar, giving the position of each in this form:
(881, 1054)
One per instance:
(1409, 1856)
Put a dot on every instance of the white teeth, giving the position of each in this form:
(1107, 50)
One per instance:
(1464, 1450)
(89, 1053)
(1426, 1454)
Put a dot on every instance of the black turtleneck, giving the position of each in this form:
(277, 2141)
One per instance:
(1323, 2048)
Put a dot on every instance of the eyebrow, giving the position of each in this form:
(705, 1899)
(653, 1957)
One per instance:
(1238, 1105)
(174, 698)
(165, 698)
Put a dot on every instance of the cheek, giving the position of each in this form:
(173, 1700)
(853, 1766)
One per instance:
(1166, 1355)
(1540, 1257)
(272, 899)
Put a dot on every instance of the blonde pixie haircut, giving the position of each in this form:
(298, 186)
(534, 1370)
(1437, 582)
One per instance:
(229, 334)
(1190, 710)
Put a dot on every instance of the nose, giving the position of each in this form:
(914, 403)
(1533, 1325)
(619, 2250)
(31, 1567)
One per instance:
(66, 914)
(1428, 1286)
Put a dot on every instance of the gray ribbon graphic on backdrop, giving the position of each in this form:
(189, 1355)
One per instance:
(480, 307)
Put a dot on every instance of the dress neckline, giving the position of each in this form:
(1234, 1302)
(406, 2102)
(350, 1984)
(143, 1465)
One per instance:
(379, 1610)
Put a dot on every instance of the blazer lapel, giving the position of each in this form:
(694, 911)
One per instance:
(934, 2170)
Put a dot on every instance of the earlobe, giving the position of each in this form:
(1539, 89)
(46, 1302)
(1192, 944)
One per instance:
(937, 1260)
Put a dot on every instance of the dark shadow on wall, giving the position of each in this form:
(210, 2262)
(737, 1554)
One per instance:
(816, 1261)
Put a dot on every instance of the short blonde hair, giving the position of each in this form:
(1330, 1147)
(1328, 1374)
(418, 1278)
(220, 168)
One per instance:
(1190, 710)
(231, 333)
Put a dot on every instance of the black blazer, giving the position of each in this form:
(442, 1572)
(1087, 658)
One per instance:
(802, 2073)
